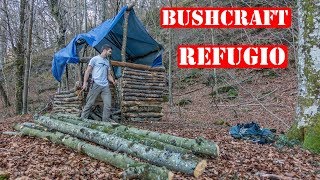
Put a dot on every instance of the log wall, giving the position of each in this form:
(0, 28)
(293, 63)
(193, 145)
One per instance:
(142, 94)
(67, 102)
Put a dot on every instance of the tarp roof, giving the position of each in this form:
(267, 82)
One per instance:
(141, 47)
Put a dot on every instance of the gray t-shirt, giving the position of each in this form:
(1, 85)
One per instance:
(100, 70)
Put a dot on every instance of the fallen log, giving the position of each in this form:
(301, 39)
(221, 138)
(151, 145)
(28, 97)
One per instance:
(143, 170)
(126, 135)
(173, 161)
(198, 146)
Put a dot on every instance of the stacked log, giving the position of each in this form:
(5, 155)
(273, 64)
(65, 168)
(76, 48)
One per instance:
(67, 102)
(158, 155)
(142, 94)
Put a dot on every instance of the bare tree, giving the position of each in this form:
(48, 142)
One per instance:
(307, 125)
(28, 62)
(2, 54)
(18, 50)
(58, 13)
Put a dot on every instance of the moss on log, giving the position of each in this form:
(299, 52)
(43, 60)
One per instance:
(198, 146)
(173, 161)
(133, 167)
(126, 135)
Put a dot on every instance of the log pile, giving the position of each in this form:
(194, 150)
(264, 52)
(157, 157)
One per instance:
(67, 102)
(142, 94)
(160, 152)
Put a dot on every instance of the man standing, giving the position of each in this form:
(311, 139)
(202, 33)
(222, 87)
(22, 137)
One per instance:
(101, 75)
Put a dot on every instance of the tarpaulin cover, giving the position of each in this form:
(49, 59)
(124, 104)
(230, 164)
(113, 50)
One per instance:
(141, 47)
(252, 131)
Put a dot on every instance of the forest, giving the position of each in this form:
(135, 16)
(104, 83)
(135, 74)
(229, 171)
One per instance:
(169, 122)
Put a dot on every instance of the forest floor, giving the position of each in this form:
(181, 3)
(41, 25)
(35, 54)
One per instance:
(265, 97)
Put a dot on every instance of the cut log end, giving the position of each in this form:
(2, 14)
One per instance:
(218, 151)
(200, 168)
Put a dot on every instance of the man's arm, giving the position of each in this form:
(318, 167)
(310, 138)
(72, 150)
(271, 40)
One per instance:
(86, 76)
(110, 77)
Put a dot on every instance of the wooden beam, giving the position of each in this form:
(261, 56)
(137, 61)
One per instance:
(127, 64)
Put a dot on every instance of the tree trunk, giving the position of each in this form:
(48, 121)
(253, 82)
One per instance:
(198, 146)
(20, 57)
(3, 48)
(142, 170)
(28, 63)
(307, 125)
(173, 161)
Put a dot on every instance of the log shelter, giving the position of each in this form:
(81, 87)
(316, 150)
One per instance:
(140, 88)
(137, 97)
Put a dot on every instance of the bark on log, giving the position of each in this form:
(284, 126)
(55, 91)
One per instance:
(126, 135)
(95, 117)
(140, 103)
(173, 161)
(151, 108)
(146, 74)
(73, 90)
(78, 106)
(143, 170)
(129, 79)
(132, 98)
(70, 99)
(146, 91)
(158, 88)
(138, 119)
(144, 71)
(63, 102)
(65, 95)
(150, 79)
(66, 109)
(143, 95)
(143, 115)
(197, 146)
(143, 83)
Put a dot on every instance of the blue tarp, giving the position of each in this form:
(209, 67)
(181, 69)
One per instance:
(141, 47)
(252, 131)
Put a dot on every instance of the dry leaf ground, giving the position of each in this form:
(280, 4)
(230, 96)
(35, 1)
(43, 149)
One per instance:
(31, 158)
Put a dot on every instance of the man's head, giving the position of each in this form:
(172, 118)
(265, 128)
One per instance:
(106, 50)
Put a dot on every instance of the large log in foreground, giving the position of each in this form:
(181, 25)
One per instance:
(131, 167)
(198, 146)
(173, 161)
(126, 135)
